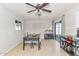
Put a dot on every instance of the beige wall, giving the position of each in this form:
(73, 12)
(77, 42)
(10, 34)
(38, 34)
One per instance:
(9, 37)
(36, 25)
(70, 20)
(63, 25)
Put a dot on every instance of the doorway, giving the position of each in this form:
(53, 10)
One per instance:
(58, 26)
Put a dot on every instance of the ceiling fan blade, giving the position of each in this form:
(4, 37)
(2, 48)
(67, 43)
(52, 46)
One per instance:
(30, 5)
(43, 5)
(31, 11)
(46, 10)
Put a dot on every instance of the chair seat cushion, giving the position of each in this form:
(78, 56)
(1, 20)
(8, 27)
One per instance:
(69, 42)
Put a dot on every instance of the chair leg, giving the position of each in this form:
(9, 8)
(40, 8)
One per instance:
(75, 51)
(31, 45)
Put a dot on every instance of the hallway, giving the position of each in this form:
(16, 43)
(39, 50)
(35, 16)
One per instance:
(48, 48)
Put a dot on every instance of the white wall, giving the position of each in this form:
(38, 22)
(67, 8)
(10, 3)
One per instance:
(77, 20)
(36, 25)
(9, 37)
(70, 20)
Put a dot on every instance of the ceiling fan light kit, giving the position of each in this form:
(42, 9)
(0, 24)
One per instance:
(39, 13)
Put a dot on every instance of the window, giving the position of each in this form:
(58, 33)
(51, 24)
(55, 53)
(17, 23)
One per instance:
(18, 25)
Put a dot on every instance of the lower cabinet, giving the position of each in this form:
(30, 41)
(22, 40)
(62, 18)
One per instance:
(48, 36)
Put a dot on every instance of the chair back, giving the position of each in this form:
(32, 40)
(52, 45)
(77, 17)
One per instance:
(69, 39)
(33, 36)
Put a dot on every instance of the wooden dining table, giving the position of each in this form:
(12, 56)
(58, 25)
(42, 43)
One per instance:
(32, 39)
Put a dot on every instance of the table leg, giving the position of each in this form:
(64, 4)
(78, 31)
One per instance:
(39, 44)
(23, 44)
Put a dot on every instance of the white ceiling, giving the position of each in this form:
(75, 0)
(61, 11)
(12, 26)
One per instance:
(21, 9)
(33, 22)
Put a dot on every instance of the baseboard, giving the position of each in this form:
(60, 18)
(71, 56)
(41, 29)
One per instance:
(5, 52)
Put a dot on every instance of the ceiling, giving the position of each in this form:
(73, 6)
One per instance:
(21, 9)
(33, 22)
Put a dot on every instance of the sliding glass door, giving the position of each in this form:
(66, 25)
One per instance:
(58, 30)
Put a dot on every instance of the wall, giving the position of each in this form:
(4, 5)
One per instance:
(37, 25)
(70, 20)
(9, 37)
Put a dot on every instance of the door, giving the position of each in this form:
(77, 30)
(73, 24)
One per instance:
(58, 30)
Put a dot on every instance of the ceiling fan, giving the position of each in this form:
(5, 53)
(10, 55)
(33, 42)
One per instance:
(39, 7)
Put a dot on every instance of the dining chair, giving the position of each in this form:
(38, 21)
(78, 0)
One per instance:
(76, 46)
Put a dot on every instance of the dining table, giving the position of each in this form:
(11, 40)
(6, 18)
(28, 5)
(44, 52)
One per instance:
(33, 39)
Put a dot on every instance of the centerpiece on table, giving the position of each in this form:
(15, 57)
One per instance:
(34, 35)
